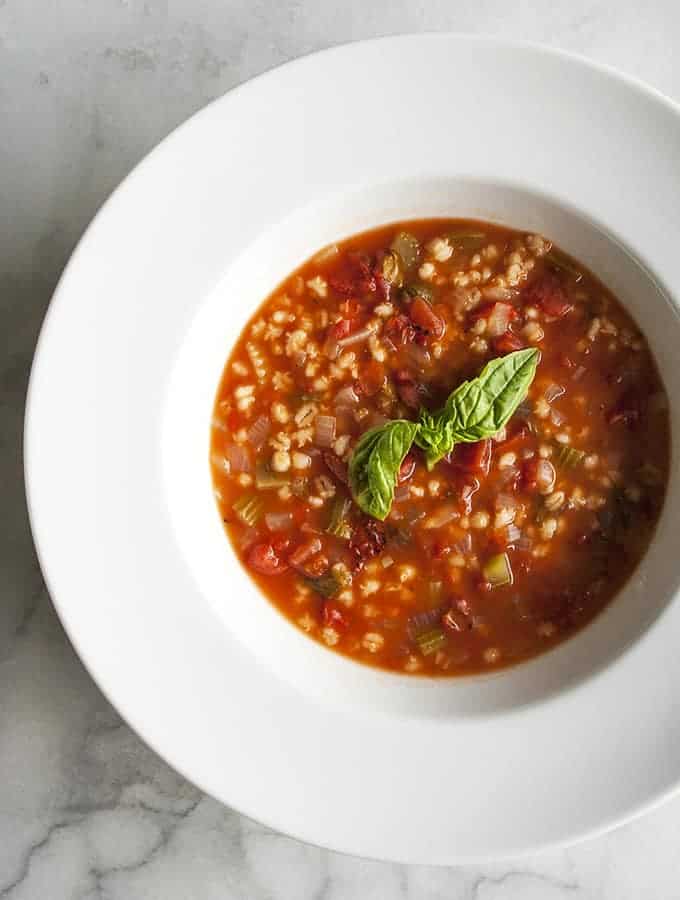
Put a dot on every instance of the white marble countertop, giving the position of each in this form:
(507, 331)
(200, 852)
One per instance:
(87, 87)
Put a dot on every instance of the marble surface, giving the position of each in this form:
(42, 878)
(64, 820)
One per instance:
(87, 87)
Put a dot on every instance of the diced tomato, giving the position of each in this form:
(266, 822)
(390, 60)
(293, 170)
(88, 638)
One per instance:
(473, 457)
(455, 621)
(508, 343)
(407, 468)
(357, 279)
(350, 309)
(421, 314)
(411, 393)
(547, 293)
(516, 431)
(372, 378)
(335, 616)
(368, 540)
(440, 550)
(264, 559)
(399, 330)
(339, 330)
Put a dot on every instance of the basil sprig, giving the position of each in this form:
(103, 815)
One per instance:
(475, 410)
(479, 408)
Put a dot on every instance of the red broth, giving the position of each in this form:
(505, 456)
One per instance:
(510, 544)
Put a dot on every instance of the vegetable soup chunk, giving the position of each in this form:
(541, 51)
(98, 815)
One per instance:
(440, 447)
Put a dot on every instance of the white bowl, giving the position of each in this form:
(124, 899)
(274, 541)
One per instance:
(117, 450)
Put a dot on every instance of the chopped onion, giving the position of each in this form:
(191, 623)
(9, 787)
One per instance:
(524, 543)
(426, 620)
(445, 514)
(305, 552)
(499, 319)
(508, 474)
(579, 372)
(238, 457)
(512, 534)
(248, 537)
(505, 501)
(556, 417)
(419, 357)
(278, 521)
(464, 545)
(545, 475)
(347, 396)
(324, 430)
(523, 410)
(553, 391)
(220, 462)
(362, 335)
(401, 492)
(331, 348)
(259, 432)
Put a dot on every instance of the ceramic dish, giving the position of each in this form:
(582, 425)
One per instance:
(117, 435)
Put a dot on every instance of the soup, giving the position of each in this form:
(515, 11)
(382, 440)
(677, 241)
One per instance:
(440, 447)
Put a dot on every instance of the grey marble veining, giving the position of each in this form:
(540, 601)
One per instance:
(87, 87)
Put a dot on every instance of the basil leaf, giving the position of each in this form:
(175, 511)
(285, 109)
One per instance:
(477, 409)
(435, 436)
(481, 407)
(375, 462)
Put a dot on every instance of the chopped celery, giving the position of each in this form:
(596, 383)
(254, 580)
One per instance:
(568, 457)
(391, 268)
(265, 478)
(248, 508)
(408, 248)
(468, 240)
(339, 521)
(431, 641)
(497, 570)
(327, 585)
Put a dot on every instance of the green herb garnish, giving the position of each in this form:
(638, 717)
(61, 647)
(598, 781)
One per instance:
(477, 409)
(375, 463)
